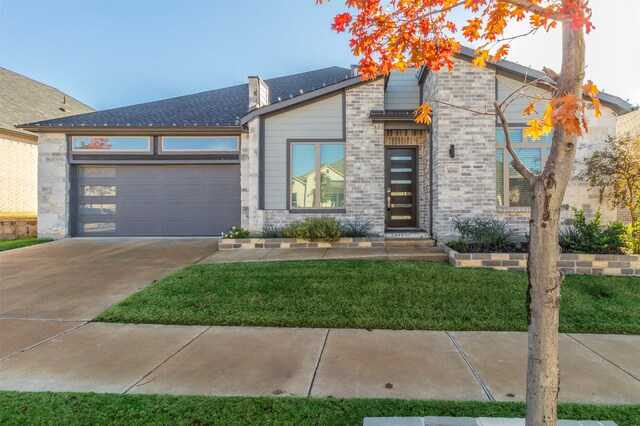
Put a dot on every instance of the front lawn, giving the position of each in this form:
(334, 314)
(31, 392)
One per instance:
(373, 294)
(22, 242)
(17, 408)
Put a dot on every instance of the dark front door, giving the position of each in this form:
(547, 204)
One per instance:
(401, 187)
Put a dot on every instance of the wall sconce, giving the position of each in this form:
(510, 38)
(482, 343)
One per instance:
(452, 151)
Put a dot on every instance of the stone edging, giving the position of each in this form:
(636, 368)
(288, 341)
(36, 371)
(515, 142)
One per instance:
(272, 243)
(570, 263)
(11, 229)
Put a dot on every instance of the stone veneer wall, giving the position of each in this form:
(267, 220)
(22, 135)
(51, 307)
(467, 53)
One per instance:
(469, 192)
(18, 175)
(570, 263)
(364, 158)
(18, 228)
(53, 186)
(251, 216)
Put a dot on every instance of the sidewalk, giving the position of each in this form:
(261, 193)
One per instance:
(253, 361)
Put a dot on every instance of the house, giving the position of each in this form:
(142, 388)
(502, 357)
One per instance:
(23, 99)
(322, 142)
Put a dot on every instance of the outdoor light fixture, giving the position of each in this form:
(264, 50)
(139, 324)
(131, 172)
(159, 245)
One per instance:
(452, 151)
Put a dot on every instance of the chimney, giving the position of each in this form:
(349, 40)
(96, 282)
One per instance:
(258, 93)
(354, 70)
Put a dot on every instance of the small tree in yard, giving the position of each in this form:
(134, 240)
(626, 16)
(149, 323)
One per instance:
(615, 170)
(397, 34)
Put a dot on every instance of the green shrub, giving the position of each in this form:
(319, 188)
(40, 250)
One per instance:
(271, 231)
(586, 236)
(357, 228)
(482, 235)
(323, 228)
(235, 232)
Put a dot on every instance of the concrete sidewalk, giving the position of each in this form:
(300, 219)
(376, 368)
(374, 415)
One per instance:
(253, 361)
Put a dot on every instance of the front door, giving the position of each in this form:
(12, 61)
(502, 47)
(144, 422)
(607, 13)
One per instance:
(401, 187)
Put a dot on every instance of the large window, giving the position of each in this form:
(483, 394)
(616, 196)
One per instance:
(317, 175)
(512, 190)
(199, 144)
(102, 144)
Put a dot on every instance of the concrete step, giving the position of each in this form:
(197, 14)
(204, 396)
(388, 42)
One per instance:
(410, 242)
(427, 254)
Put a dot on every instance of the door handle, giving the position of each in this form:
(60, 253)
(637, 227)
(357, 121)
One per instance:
(388, 202)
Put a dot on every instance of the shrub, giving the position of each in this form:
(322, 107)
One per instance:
(235, 232)
(482, 235)
(357, 228)
(323, 228)
(591, 237)
(271, 231)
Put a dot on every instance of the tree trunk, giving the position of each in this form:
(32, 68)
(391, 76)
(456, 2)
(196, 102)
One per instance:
(543, 304)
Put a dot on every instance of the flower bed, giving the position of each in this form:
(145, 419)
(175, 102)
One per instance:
(271, 243)
(570, 263)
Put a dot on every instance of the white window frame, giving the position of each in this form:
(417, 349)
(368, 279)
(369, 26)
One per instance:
(148, 150)
(164, 151)
(526, 143)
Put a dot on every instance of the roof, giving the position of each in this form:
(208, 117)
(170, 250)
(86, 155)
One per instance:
(620, 105)
(219, 107)
(23, 100)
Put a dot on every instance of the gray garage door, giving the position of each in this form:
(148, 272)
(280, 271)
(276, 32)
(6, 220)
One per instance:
(165, 200)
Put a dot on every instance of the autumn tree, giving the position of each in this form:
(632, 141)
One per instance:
(96, 143)
(396, 34)
(615, 170)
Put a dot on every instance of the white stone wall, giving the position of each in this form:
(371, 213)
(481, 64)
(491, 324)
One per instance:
(463, 186)
(252, 217)
(53, 186)
(18, 176)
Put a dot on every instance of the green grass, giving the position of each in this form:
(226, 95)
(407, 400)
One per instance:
(17, 408)
(373, 294)
(22, 242)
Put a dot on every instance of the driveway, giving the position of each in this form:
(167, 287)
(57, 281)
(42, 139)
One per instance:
(75, 279)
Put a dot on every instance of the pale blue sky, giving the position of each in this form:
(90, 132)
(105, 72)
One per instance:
(111, 53)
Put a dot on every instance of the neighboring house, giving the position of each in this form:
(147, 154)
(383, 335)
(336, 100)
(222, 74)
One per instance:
(318, 143)
(23, 99)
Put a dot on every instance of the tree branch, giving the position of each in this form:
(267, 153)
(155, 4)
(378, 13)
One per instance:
(539, 10)
(475, 111)
(516, 163)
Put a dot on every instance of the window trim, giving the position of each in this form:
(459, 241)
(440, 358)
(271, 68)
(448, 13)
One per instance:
(318, 196)
(524, 144)
(149, 149)
(163, 151)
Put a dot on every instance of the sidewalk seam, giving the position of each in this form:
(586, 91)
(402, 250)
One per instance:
(315, 371)
(471, 367)
(44, 341)
(165, 361)
(601, 356)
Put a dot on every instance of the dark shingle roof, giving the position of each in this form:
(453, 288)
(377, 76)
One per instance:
(23, 99)
(220, 107)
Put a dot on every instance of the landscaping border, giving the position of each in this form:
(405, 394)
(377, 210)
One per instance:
(12, 229)
(274, 243)
(570, 263)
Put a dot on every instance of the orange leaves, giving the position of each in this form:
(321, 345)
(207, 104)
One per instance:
(341, 22)
(538, 128)
(471, 31)
(500, 53)
(591, 90)
(423, 114)
(481, 59)
(530, 109)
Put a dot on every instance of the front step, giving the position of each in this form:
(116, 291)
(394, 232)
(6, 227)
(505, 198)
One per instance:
(410, 242)
(406, 234)
(425, 254)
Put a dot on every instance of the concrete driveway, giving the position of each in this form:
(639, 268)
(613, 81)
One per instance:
(75, 279)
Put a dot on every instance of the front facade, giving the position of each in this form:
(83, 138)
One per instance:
(271, 152)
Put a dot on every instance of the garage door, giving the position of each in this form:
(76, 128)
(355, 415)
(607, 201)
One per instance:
(165, 200)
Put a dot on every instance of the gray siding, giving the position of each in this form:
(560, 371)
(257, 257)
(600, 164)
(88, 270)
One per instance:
(519, 102)
(320, 120)
(403, 91)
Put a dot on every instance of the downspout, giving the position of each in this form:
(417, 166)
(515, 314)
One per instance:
(431, 192)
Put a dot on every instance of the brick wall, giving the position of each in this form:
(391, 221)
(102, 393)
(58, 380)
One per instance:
(18, 176)
(53, 186)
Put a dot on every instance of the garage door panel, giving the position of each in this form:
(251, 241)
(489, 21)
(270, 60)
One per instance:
(166, 200)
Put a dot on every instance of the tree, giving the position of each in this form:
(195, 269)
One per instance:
(397, 34)
(96, 143)
(616, 171)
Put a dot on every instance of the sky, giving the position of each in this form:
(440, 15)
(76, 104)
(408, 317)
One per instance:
(110, 53)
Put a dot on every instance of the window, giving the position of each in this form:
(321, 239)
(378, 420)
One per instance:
(512, 190)
(101, 144)
(199, 144)
(317, 175)
(99, 190)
